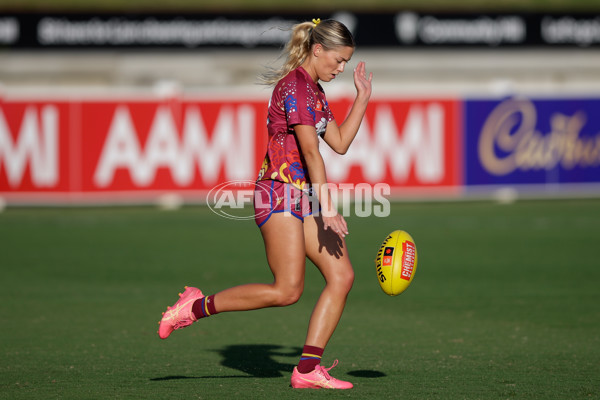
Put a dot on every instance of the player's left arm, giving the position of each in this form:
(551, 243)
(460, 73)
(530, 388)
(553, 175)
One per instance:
(340, 137)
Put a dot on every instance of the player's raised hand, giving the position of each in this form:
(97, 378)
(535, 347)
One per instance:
(361, 81)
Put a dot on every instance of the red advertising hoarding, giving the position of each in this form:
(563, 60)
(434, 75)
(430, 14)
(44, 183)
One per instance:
(135, 150)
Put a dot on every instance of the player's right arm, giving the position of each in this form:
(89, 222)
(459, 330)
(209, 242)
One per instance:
(340, 137)
(309, 145)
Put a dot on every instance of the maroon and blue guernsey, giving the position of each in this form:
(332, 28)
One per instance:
(296, 100)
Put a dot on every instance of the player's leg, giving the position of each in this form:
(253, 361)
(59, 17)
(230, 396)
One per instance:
(329, 253)
(283, 235)
(284, 243)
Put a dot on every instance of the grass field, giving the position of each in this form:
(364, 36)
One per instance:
(505, 305)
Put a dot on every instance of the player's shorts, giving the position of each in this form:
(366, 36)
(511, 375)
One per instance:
(275, 197)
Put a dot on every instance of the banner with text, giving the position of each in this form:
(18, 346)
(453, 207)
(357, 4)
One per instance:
(532, 141)
(396, 29)
(132, 150)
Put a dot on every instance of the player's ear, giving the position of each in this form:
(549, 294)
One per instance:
(317, 49)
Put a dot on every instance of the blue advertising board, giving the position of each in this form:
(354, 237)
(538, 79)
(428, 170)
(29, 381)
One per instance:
(532, 141)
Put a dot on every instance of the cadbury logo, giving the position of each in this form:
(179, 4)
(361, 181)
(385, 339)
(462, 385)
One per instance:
(509, 141)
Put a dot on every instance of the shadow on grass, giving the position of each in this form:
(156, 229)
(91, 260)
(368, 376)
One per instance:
(367, 373)
(258, 361)
(255, 360)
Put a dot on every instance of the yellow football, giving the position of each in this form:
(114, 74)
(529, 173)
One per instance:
(396, 262)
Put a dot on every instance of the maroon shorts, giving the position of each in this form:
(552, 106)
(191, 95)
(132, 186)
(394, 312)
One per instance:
(276, 197)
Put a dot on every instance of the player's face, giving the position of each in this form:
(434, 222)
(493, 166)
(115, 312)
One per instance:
(332, 62)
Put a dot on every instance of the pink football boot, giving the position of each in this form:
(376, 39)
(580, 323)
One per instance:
(180, 315)
(317, 379)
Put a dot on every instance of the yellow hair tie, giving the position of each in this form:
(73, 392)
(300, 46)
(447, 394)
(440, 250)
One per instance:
(316, 21)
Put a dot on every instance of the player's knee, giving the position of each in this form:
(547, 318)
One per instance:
(289, 295)
(348, 280)
(343, 282)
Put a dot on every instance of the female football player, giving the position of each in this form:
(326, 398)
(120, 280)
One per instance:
(293, 226)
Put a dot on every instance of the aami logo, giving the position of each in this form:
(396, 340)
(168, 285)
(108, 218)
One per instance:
(408, 260)
(183, 151)
(403, 143)
(35, 144)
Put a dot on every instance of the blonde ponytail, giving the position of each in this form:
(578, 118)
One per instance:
(329, 33)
